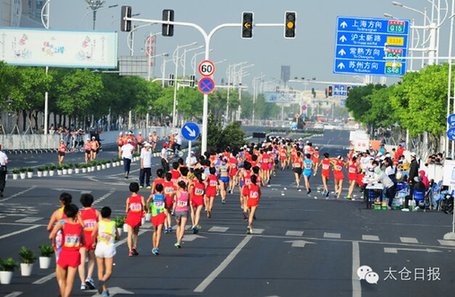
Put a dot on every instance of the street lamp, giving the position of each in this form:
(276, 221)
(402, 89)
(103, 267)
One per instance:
(229, 72)
(183, 61)
(257, 78)
(193, 60)
(95, 5)
(175, 55)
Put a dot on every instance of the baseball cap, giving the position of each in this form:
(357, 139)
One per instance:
(413, 154)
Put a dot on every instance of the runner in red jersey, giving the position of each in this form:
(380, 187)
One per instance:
(88, 217)
(254, 195)
(297, 167)
(338, 175)
(120, 143)
(197, 190)
(169, 189)
(175, 173)
(353, 168)
(325, 173)
(211, 189)
(283, 157)
(70, 258)
(158, 180)
(135, 207)
(233, 164)
(315, 159)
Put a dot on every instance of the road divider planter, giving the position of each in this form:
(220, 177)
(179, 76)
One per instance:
(45, 258)
(29, 172)
(27, 259)
(23, 173)
(7, 267)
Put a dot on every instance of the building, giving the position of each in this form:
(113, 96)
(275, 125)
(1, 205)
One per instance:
(21, 13)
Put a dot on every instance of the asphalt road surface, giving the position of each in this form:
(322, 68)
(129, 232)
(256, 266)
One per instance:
(303, 245)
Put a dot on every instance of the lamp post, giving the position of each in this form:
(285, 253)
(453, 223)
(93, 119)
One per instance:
(229, 72)
(255, 91)
(45, 20)
(241, 74)
(175, 55)
(95, 5)
(183, 60)
(148, 51)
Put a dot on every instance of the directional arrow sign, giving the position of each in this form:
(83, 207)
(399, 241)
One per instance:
(343, 38)
(342, 52)
(395, 250)
(116, 290)
(343, 25)
(190, 131)
(340, 65)
(299, 243)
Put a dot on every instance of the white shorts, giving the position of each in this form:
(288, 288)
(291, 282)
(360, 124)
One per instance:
(105, 251)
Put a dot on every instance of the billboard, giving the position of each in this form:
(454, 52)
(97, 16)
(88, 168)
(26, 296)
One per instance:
(36, 47)
(280, 97)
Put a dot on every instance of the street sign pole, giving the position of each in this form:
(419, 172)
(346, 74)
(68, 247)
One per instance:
(207, 39)
(188, 158)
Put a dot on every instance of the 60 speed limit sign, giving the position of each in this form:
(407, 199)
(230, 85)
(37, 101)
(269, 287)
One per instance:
(206, 68)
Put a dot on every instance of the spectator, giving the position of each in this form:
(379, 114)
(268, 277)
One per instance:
(413, 173)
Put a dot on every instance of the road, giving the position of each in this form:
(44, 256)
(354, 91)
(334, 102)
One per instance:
(303, 245)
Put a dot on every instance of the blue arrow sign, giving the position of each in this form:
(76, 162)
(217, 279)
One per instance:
(371, 46)
(451, 119)
(190, 131)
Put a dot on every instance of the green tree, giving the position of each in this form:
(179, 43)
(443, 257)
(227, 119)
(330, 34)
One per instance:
(358, 102)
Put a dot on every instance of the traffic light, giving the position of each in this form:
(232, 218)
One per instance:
(313, 92)
(125, 26)
(171, 79)
(168, 16)
(247, 25)
(330, 92)
(289, 24)
(192, 80)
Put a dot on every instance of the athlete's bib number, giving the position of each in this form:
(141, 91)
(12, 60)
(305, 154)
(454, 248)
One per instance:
(325, 167)
(181, 203)
(213, 183)
(89, 224)
(199, 192)
(308, 166)
(158, 204)
(72, 241)
(136, 206)
(254, 195)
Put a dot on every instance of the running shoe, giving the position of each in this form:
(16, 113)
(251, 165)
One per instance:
(130, 254)
(135, 253)
(166, 230)
(141, 187)
(105, 293)
(195, 230)
(177, 245)
(327, 194)
(348, 198)
(83, 287)
(223, 201)
(149, 187)
(90, 283)
(155, 252)
(309, 191)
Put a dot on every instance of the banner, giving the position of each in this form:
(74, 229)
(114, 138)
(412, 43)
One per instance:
(279, 97)
(36, 47)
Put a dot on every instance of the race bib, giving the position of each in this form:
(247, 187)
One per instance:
(72, 241)
(325, 167)
(168, 190)
(158, 204)
(89, 224)
(199, 192)
(136, 206)
(181, 203)
(254, 194)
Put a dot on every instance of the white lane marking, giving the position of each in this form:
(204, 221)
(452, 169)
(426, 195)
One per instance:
(370, 237)
(14, 294)
(52, 275)
(299, 243)
(17, 194)
(409, 240)
(218, 229)
(258, 231)
(29, 220)
(294, 233)
(446, 242)
(214, 274)
(116, 290)
(396, 250)
(19, 232)
(332, 235)
(44, 279)
(103, 197)
(356, 286)
(72, 190)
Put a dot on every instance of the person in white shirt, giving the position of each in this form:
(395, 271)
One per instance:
(191, 160)
(127, 156)
(146, 165)
(3, 170)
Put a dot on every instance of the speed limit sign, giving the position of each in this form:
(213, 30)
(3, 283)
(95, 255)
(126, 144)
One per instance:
(206, 68)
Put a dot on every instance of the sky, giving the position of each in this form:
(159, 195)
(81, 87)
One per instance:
(310, 54)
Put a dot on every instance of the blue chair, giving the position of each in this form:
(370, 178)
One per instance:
(419, 197)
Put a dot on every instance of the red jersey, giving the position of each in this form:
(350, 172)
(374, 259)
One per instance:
(325, 167)
(71, 236)
(338, 169)
(89, 218)
(175, 175)
(158, 180)
(212, 182)
(315, 156)
(253, 195)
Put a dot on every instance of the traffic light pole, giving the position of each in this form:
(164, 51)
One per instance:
(207, 39)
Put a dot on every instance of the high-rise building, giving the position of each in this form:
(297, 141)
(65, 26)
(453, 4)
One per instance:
(21, 13)
(285, 74)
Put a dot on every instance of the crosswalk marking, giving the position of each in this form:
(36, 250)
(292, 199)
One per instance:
(294, 233)
(332, 235)
(370, 237)
(29, 220)
(218, 229)
(446, 242)
(258, 231)
(409, 240)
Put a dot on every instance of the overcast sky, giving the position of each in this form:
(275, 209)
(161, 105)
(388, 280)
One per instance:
(310, 54)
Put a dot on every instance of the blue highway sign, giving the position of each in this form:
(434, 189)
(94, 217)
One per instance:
(340, 90)
(371, 46)
(190, 131)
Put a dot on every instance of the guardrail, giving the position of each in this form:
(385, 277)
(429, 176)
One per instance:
(29, 142)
